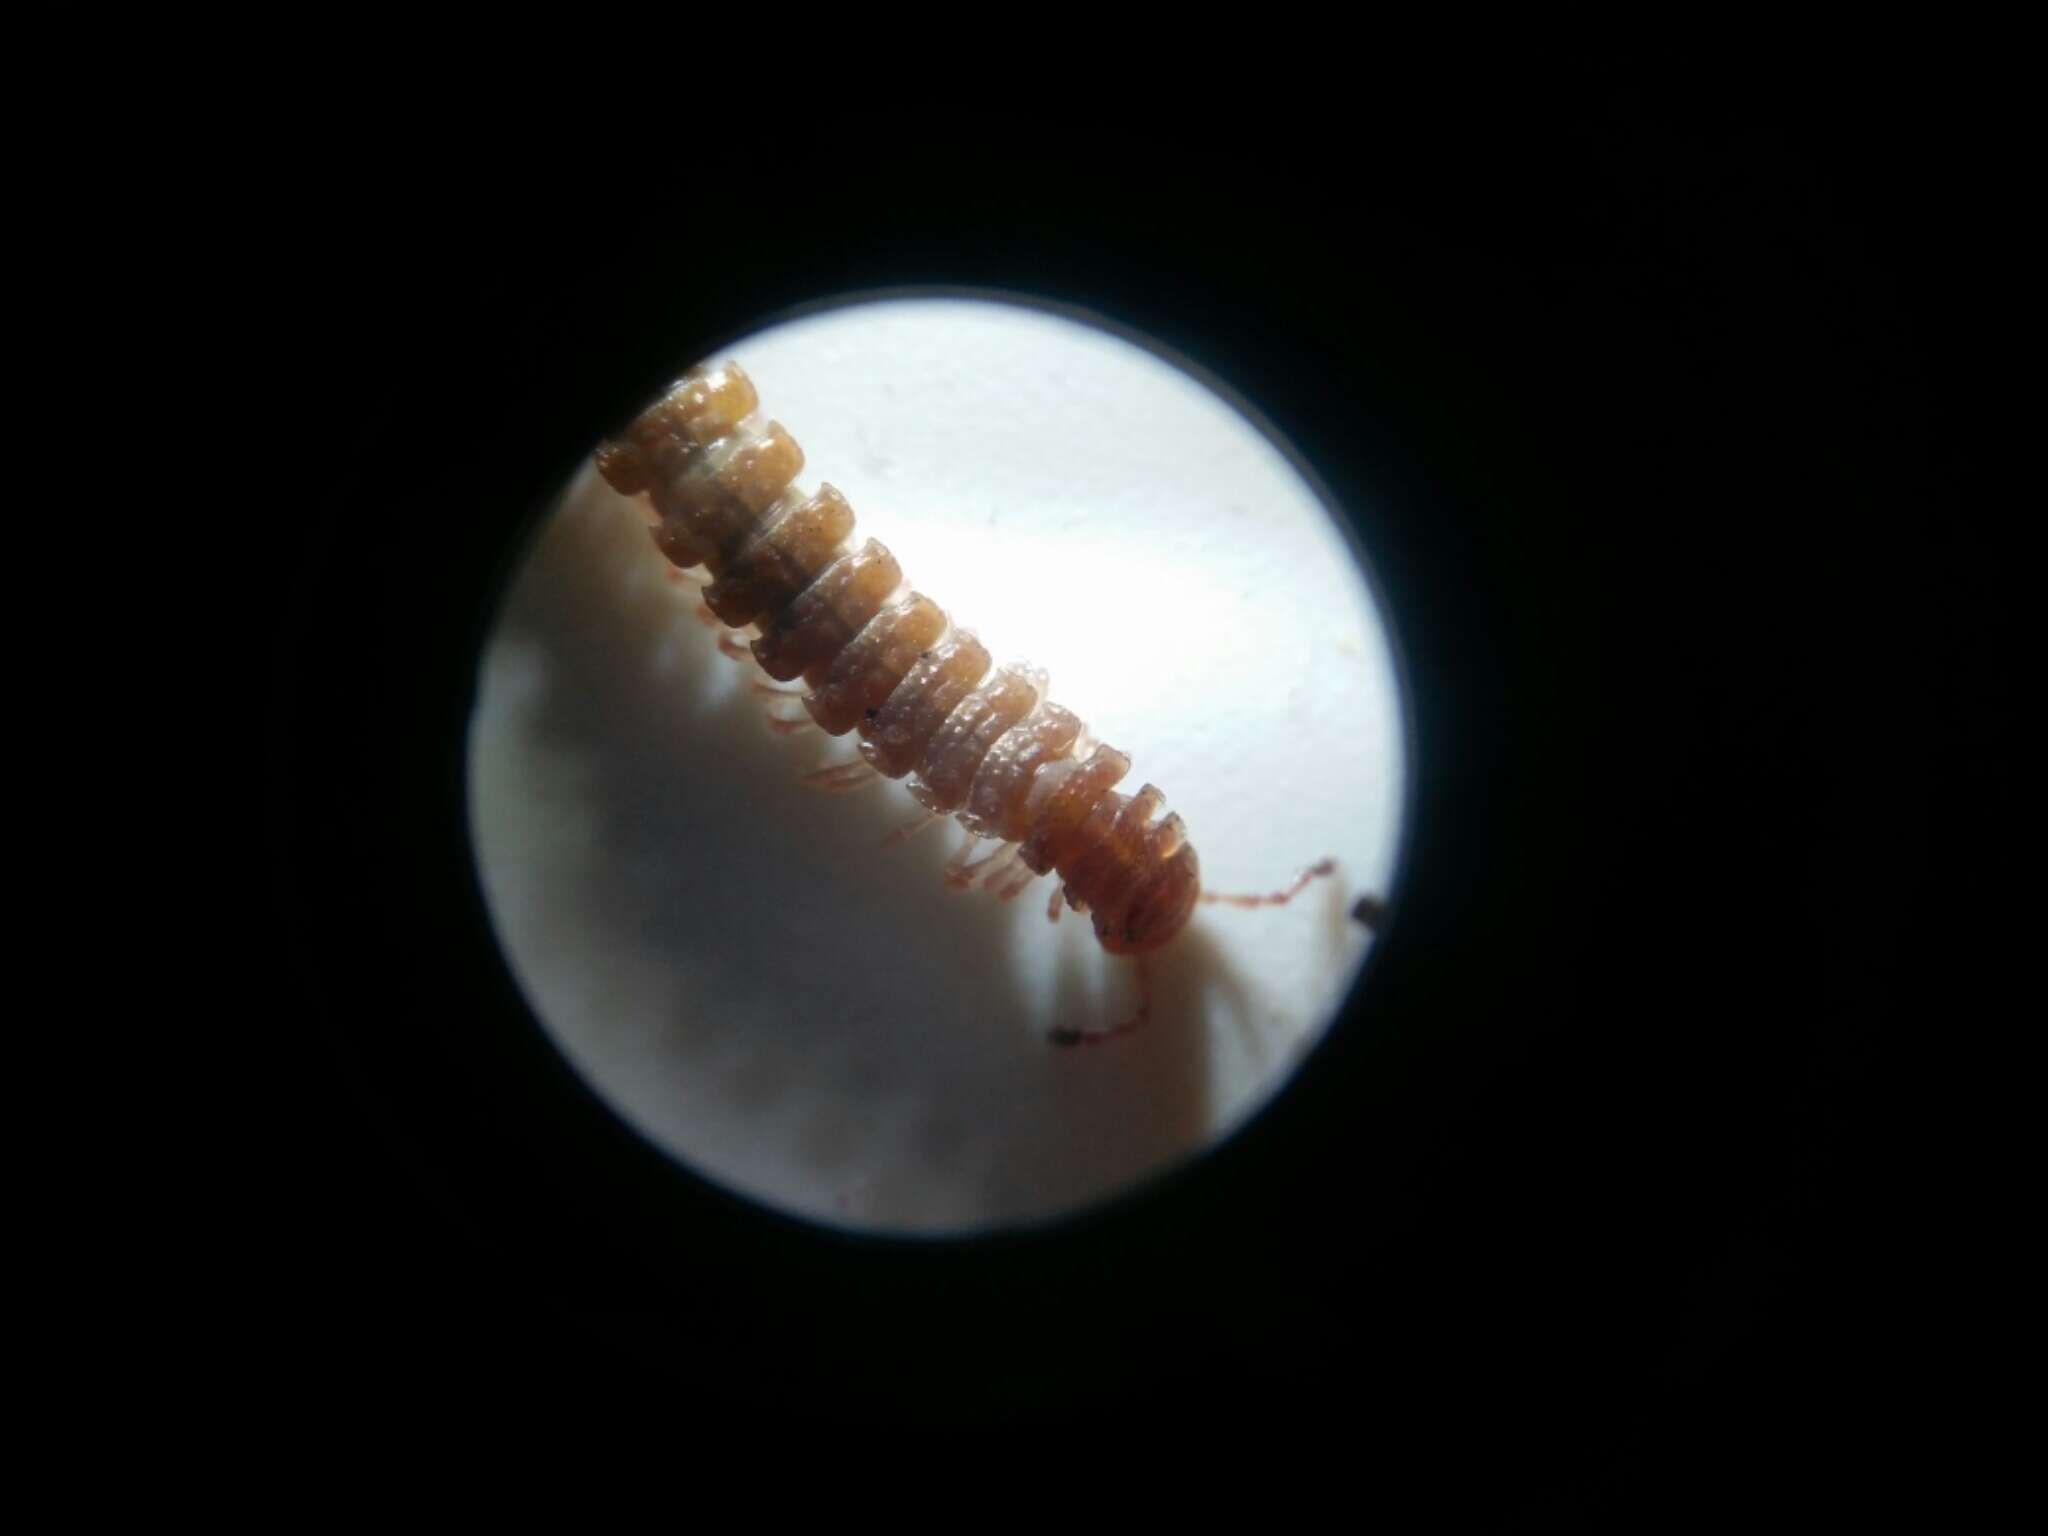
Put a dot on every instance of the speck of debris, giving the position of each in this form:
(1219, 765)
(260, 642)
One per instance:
(872, 712)
(1368, 911)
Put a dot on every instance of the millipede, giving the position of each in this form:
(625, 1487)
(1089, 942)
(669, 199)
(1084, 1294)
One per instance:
(840, 632)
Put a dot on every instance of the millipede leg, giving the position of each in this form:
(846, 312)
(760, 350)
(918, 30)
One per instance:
(773, 690)
(708, 619)
(1315, 871)
(1064, 1035)
(1013, 886)
(731, 647)
(910, 829)
(957, 868)
(840, 777)
(961, 873)
(692, 575)
(1052, 907)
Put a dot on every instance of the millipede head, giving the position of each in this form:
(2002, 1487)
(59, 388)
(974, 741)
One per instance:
(1159, 907)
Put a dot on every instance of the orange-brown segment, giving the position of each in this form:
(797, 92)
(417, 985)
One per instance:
(707, 515)
(904, 726)
(781, 559)
(815, 627)
(760, 471)
(958, 746)
(996, 800)
(863, 675)
(664, 440)
(1067, 802)
(707, 403)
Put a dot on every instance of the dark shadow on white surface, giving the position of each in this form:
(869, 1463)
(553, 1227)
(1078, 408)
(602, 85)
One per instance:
(839, 1034)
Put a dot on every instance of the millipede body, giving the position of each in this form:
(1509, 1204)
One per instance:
(976, 741)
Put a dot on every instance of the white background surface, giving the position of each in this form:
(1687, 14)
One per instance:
(734, 963)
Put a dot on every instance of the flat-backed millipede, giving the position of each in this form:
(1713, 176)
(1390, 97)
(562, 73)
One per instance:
(978, 742)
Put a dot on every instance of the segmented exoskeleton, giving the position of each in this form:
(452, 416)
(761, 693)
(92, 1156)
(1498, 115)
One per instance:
(882, 660)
